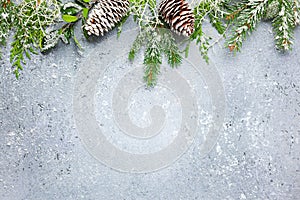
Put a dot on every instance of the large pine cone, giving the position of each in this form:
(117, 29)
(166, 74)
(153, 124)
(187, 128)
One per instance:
(104, 15)
(178, 15)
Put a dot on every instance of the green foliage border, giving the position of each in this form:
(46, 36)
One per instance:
(34, 23)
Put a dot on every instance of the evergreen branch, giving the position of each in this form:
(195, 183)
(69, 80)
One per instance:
(139, 41)
(283, 25)
(152, 59)
(7, 10)
(216, 22)
(200, 12)
(170, 49)
(215, 11)
(120, 25)
(157, 41)
(31, 19)
(71, 14)
(236, 10)
(246, 18)
(203, 41)
(144, 12)
(296, 12)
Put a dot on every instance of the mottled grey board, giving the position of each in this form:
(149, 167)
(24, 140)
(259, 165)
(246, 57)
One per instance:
(257, 151)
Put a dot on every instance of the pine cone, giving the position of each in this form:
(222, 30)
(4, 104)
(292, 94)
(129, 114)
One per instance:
(178, 15)
(104, 15)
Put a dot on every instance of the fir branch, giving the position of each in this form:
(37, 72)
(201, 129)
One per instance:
(157, 41)
(236, 10)
(216, 22)
(283, 25)
(152, 60)
(246, 18)
(296, 12)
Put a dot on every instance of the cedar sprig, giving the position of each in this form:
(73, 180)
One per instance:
(31, 19)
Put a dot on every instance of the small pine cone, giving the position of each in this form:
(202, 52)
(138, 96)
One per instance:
(178, 15)
(104, 15)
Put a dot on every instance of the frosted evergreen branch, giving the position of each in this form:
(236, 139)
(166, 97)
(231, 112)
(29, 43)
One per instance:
(157, 42)
(215, 11)
(31, 19)
(152, 58)
(296, 11)
(139, 41)
(283, 25)
(170, 49)
(7, 10)
(144, 12)
(246, 20)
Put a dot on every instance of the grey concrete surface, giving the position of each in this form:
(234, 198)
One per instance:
(256, 155)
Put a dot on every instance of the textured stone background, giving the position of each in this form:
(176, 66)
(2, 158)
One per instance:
(256, 156)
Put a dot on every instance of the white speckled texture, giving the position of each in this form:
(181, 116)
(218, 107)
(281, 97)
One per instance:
(256, 156)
